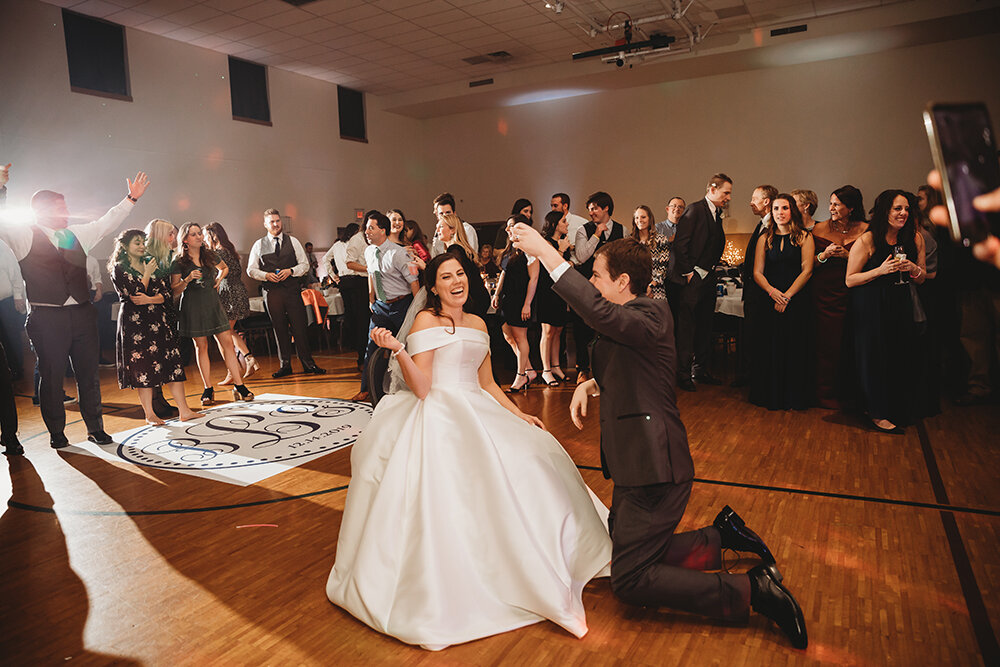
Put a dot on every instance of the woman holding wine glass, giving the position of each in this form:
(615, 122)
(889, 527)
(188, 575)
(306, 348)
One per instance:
(881, 266)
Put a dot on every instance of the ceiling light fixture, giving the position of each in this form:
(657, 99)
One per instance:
(557, 7)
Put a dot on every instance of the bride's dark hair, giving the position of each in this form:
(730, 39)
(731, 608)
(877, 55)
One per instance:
(430, 280)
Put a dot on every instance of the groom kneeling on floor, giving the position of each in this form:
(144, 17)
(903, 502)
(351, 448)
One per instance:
(644, 450)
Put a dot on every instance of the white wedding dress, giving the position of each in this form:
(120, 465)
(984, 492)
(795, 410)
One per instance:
(461, 520)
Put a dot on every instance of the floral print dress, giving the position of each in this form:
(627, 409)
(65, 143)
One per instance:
(147, 351)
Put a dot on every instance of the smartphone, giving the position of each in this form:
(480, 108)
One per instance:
(965, 154)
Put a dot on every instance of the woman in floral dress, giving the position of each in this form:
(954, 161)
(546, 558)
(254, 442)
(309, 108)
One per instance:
(147, 352)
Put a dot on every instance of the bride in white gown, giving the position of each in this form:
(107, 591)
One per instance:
(464, 518)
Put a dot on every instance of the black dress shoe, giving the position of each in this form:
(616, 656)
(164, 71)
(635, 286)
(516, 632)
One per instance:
(770, 598)
(58, 441)
(100, 438)
(707, 378)
(315, 370)
(12, 446)
(687, 384)
(736, 536)
(284, 371)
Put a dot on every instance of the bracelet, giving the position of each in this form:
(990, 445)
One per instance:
(131, 198)
(395, 353)
(820, 260)
(919, 271)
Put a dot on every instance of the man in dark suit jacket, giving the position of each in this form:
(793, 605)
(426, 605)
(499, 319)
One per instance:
(754, 298)
(644, 450)
(698, 245)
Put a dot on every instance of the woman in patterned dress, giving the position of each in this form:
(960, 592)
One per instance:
(147, 347)
(232, 293)
(644, 231)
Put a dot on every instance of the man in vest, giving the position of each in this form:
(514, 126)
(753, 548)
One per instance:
(62, 322)
(600, 230)
(274, 260)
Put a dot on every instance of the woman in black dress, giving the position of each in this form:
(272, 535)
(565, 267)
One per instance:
(552, 310)
(195, 276)
(147, 350)
(779, 378)
(514, 299)
(233, 294)
(879, 271)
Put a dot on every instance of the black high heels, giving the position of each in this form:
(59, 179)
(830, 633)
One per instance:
(241, 393)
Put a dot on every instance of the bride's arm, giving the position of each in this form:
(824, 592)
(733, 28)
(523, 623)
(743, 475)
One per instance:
(416, 369)
(489, 385)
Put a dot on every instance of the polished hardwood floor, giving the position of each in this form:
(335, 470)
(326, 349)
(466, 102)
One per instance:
(889, 542)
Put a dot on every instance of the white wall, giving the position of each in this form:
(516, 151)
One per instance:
(817, 126)
(203, 165)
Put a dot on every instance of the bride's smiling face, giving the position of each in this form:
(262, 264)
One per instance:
(451, 284)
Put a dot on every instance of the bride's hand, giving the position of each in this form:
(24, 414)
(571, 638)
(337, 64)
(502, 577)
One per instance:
(384, 338)
(533, 420)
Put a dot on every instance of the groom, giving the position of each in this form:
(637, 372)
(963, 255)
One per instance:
(644, 450)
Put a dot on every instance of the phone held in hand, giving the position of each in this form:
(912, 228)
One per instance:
(964, 148)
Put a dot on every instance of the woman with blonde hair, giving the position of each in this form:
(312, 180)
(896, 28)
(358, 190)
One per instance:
(195, 276)
(451, 231)
(147, 351)
(233, 294)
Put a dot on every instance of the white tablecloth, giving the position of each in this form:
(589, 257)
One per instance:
(334, 302)
(730, 304)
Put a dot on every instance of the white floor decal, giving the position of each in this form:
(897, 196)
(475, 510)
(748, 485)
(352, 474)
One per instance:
(241, 443)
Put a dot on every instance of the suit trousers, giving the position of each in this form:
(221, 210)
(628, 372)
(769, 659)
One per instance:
(653, 566)
(286, 309)
(388, 316)
(11, 332)
(8, 409)
(694, 323)
(58, 334)
(357, 313)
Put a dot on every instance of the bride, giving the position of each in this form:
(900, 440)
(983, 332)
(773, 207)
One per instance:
(464, 518)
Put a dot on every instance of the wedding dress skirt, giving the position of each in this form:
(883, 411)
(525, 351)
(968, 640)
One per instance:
(461, 520)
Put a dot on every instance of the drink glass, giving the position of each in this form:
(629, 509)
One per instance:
(899, 254)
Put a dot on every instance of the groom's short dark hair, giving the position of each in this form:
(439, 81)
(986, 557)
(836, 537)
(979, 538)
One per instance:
(631, 257)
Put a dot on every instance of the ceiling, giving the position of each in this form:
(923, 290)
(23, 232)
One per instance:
(389, 47)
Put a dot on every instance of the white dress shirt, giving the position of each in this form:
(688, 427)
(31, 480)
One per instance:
(11, 283)
(253, 262)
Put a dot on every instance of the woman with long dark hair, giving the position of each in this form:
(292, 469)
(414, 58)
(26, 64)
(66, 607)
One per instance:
(147, 352)
(397, 223)
(880, 269)
(779, 379)
(834, 239)
(644, 231)
(233, 294)
(413, 237)
(195, 276)
(408, 564)
(514, 300)
(552, 311)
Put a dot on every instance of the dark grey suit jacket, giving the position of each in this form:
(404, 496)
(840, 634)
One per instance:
(699, 240)
(643, 440)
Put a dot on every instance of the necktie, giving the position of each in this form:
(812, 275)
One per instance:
(718, 215)
(277, 245)
(379, 290)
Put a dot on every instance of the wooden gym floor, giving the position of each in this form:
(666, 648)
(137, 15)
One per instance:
(890, 544)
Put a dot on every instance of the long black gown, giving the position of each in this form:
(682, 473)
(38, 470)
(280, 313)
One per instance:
(886, 343)
(780, 377)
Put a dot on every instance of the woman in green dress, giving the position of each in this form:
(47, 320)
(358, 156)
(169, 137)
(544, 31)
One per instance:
(195, 277)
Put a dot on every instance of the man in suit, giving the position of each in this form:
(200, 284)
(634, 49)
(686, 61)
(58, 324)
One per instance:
(644, 450)
(274, 260)
(754, 297)
(600, 230)
(698, 244)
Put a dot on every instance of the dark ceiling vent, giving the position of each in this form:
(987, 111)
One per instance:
(494, 57)
(777, 32)
(298, 3)
(731, 12)
(481, 82)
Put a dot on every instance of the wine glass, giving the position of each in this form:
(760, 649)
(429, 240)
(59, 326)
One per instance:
(899, 254)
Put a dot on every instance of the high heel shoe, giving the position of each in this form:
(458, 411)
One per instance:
(228, 380)
(549, 378)
(252, 366)
(558, 373)
(241, 393)
(208, 396)
(515, 387)
(531, 374)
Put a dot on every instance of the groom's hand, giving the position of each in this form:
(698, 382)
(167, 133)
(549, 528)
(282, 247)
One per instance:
(578, 404)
